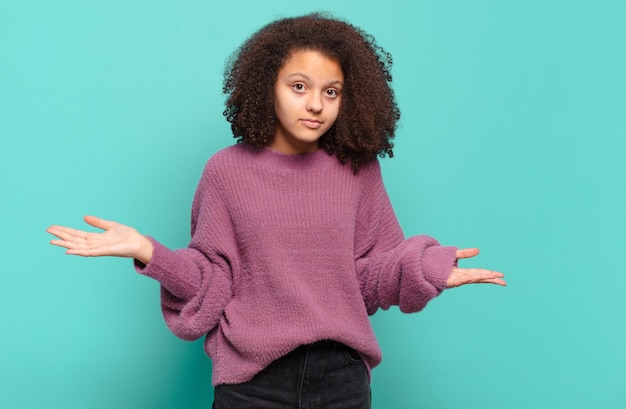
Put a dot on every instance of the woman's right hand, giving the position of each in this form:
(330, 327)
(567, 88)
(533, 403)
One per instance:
(117, 240)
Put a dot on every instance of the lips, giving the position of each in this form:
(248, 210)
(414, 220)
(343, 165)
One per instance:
(311, 123)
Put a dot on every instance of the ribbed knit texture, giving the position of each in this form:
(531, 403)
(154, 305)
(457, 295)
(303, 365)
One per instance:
(287, 250)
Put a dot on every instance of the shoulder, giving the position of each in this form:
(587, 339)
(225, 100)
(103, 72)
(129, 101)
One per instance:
(220, 169)
(371, 168)
(233, 153)
(370, 173)
(227, 160)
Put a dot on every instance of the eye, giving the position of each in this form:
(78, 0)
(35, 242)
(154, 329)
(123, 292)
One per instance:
(298, 87)
(332, 93)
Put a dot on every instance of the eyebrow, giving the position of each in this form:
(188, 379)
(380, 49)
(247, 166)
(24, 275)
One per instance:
(306, 77)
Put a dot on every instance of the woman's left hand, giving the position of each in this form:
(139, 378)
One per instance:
(462, 276)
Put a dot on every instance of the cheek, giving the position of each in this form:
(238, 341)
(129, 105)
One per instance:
(281, 109)
(278, 106)
(336, 110)
(283, 103)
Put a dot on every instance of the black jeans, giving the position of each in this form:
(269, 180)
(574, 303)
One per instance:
(324, 375)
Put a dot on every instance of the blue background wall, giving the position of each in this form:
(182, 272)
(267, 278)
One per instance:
(512, 139)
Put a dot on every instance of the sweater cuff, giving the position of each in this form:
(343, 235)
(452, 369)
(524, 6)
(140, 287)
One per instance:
(425, 272)
(169, 270)
(152, 267)
(437, 263)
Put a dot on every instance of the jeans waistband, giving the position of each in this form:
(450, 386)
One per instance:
(325, 344)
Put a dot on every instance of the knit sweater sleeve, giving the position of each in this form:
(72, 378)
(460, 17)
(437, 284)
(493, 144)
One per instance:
(393, 270)
(196, 282)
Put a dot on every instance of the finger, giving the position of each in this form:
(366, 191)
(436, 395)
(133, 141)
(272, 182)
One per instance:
(86, 252)
(61, 243)
(462, 276)
(480, 273)
(467, 253)
(497, 281)
(70, 244)
(66, 233)
(98, 222)
(485, 279)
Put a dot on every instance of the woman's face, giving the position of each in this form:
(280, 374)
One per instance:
(307, 97)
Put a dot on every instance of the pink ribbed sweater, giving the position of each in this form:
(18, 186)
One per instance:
(288, 250)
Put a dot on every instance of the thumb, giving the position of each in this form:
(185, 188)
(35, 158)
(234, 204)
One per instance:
(467, 253)
(98, 222)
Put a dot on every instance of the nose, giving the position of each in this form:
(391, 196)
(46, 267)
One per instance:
(314, 104)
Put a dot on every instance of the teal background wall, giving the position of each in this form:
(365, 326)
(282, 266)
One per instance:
(512, 140)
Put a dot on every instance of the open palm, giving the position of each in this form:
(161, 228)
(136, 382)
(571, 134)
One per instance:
(462, 276)
(117, 240)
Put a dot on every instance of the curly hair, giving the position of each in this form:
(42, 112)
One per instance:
(368, 114)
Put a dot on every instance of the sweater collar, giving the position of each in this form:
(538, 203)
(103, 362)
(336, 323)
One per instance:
(303, 160)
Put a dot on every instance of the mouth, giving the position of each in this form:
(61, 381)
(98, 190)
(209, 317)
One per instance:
(311, 123)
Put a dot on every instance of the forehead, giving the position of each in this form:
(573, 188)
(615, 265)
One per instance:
(311, 62)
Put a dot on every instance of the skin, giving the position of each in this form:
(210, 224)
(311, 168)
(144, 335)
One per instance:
(307, 100)
(119, 240)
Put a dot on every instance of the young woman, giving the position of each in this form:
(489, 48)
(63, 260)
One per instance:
(293, 239)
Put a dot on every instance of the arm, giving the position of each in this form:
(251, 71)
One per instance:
(195, 287)
(195, 281)
(119, 240)
(416, 271)
(391, 269)
(407, 273)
